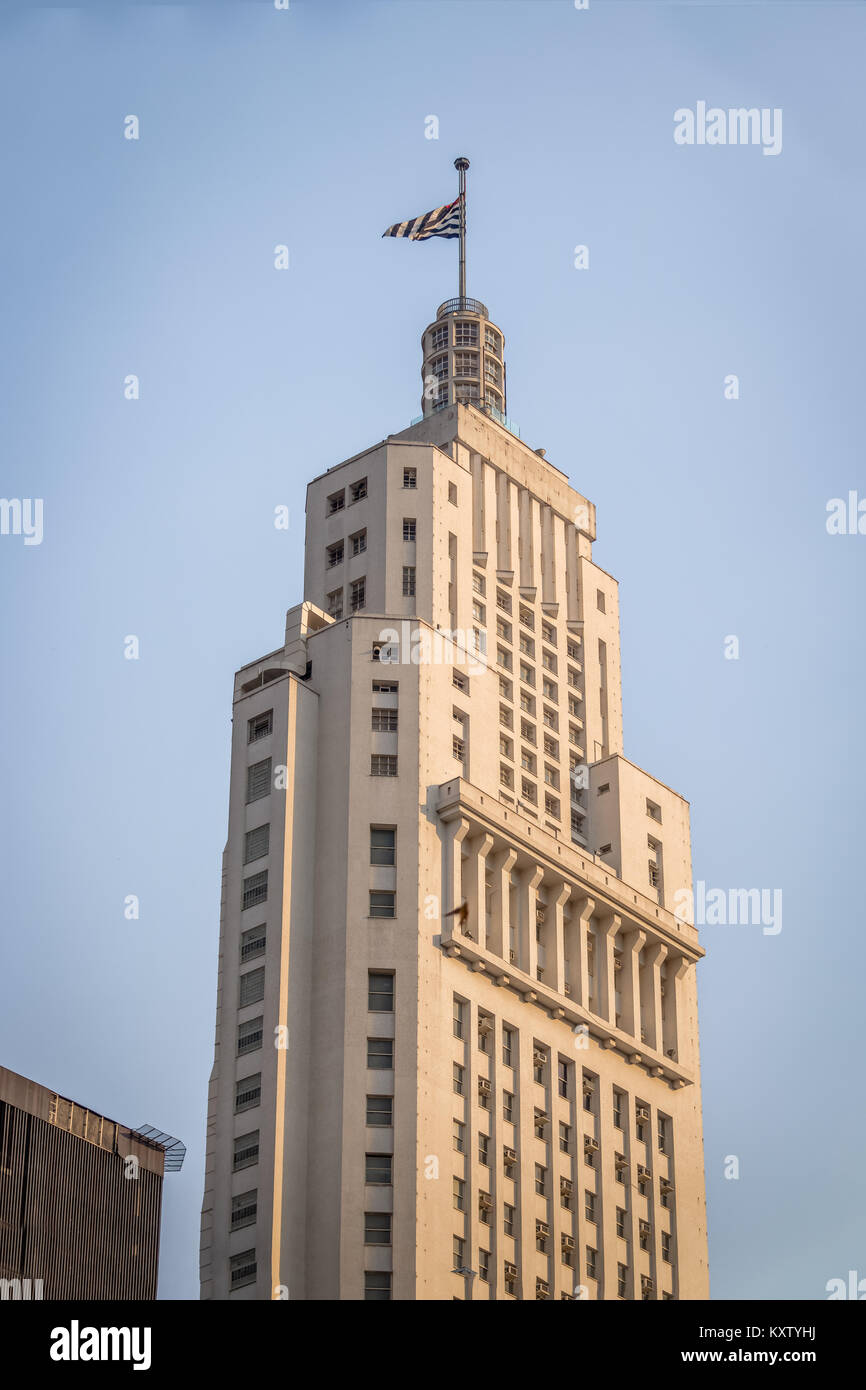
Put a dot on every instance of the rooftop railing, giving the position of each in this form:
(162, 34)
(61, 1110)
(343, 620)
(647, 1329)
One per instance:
(462, 306)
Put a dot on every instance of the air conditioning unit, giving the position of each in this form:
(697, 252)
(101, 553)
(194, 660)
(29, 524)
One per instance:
(620, 1162)
(542, 1289)
(510, 1155)
(485, 1025)
(568, 1242)
(541, 1117)
(512, 956)
(646, 1283)
(642, 1114)
(484, 1087)
(485, 1201)
(617, 964)
(539, 915)
(643, 1172)
(644, 1228)
(542, 1229)
(566, 1186)
(665, 1185)
(588, 1087)
(510, 1270)
(539, 1059)
(568, 989)
(590, 1144)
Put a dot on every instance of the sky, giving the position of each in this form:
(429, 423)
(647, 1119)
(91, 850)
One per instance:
(154, 258)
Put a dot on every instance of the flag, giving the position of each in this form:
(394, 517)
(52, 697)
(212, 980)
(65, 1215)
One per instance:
(444, 221)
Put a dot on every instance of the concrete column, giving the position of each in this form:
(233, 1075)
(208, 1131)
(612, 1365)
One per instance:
(605, 933)
(498, 935)
(527, 952)
(555, 936)
(581, 920)
(678, 967)
(459, 828)
(630, 982)
(477, 886)
(655, 956)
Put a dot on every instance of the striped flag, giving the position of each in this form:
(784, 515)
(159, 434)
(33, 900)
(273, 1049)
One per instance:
(444, 221)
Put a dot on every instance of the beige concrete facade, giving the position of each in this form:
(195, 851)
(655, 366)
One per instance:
(396, 1094)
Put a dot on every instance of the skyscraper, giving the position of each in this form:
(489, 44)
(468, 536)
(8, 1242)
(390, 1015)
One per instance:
(80, 1198)
(456, 1039)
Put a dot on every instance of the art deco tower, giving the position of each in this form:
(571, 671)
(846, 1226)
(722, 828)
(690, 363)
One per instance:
(406, 1105)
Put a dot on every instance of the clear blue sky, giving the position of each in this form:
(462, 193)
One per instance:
(155, 257)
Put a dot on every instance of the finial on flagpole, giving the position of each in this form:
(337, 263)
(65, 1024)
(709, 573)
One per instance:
(461, 164)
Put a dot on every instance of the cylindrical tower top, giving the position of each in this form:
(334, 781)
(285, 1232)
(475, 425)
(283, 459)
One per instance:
(463, 359)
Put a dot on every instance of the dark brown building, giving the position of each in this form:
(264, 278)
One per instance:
(80, 1199)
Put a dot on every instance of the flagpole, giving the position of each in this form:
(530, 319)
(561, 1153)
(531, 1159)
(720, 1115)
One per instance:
(461, 165)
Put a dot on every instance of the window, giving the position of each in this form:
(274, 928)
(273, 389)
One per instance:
(621, 1166)
(357, 595)
(503, 657)
(589, 1205)
(506, 746)
(507, 1046)
(384, 688)
(336, 502)
(459, 1017)
(617, 1109)
(380, 992)
(244, 1209)
(459, 680)
(458, 1136)
(409, 528)
(503, 629)
(383, 765)
(540, 1180)
(620, 1222)
(527, 675)
(528, 791)
(457, 1252)
(548, 632)
(248, 1092)
(256, 843)
(508, 1106)
(377, 1170)
(242, 1269)
(485, 1032)
(252, 988)
(506, 777)
(527, 759)
(663, 1133)
(359, 542)
(382, 843)
(246, 1151)
(505, 688)
(466, 334)
(549, 690)
(527, 617)
(653, 811)
(574, 705)
(484, 1150)
(384, 720)
(508, 1222)
(621, 1280)
(666, 1246)
(380, 1054)
(408, 581)
(258, 780)
(551, 747)
(527, 646)
(539, 1062)
(644, 1235)
(380, 1112)
(250, 1035)
(551, 806)
(358, 490)
(458, 1073)
(562, 1071)
(458, 1191)
(540, 1124)
(591, 1262)
(588, 1092)
(653, 874)
(410, 477)
(377, 1228)
(335, 603)
(260, 726)
(382, 904)
(599, 601)
(541, 1234)
(466, 364)
(484, 1265)
(439, 337)
(335, 555)
(564, 1137)
(572, 648)
(479, 612)
(377, 1286)
(566, 1188)
(255, 889)
(458, 748)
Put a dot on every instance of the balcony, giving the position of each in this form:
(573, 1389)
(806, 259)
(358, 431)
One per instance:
(462, 306)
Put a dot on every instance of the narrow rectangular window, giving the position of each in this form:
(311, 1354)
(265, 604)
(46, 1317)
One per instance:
(256, 843)
(252, 989)
(380, 992)
(258, 780)
(250, 1036)
(261, 725)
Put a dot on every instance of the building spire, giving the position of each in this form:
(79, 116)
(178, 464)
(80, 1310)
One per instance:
(461, 164)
